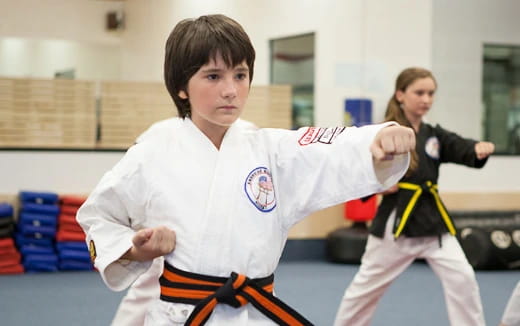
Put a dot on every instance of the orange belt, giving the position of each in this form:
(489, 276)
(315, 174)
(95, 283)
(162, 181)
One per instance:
(205, 292)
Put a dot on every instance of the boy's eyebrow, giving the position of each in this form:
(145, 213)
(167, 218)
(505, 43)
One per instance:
(215, 70)
(211, 70)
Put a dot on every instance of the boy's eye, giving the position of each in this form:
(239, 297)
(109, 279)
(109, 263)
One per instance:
(241, 76)
(212, 76)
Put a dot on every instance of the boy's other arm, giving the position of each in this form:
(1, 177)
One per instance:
(151, 243)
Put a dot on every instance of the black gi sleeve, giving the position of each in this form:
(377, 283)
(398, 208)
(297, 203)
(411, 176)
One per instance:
(456, 149)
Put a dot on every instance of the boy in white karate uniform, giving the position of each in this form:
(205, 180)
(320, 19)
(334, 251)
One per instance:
(230, 194)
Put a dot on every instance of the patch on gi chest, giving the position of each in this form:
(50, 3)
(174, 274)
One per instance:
(432, 147)
(259, 189)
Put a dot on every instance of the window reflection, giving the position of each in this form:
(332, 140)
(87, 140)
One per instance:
(501, 97)
(292, 63)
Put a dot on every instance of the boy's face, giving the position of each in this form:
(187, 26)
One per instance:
(217, 93)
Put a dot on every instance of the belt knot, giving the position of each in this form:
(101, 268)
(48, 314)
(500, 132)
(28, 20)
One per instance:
(228, 293)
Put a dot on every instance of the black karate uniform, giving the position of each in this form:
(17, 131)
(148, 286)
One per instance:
(425, 215)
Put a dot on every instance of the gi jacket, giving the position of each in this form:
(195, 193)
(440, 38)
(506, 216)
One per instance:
(434, 145)
(231, 208)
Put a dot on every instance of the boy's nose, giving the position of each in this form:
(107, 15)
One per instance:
(229, 89)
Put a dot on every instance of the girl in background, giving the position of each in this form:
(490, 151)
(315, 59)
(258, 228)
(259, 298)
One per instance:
(411, 221)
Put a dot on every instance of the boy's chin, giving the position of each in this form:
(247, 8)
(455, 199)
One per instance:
(227, 122)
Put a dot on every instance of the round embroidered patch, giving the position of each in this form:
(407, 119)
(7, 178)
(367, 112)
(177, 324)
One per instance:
(259, 189)
(432, 147)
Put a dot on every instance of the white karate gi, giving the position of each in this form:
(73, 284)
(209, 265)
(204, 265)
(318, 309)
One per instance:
(231, 208)
(146, 289)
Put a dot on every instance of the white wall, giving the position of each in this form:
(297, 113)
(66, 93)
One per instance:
(148, 24)
(38, 38)
(357, 53)
(61, 172)
(460, 30)
(79, 20)
(361, 45)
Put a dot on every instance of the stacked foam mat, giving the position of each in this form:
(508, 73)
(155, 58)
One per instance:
(48, 235)
(36, 230)
(70, 239)
(9, 255)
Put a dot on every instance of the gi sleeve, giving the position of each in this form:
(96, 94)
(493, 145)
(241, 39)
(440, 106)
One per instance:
(315, 168)
(456, 149)
(106, 218)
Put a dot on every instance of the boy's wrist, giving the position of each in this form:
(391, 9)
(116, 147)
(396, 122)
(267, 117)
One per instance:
(124, 261)
(127, 257)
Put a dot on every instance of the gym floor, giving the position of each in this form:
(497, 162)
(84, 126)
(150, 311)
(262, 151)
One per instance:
(314, 288)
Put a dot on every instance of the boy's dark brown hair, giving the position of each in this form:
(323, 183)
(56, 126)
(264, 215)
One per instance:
(193, 43)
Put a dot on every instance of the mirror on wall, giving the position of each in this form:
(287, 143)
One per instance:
(501, 97)
(49, 90)
(47, 58)
(292, 63)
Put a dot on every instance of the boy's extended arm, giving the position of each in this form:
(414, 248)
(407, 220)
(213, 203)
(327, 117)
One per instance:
(316, 168)
(390, 141)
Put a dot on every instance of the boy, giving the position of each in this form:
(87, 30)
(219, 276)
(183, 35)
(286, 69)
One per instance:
(230, 194)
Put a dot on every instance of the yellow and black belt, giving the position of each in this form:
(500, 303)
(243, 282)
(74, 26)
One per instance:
(418, 191)
(205, 292)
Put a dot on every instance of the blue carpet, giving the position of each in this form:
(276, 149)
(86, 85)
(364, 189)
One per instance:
(314, 288)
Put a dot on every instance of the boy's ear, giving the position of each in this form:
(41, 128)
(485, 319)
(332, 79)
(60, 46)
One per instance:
(183, 95)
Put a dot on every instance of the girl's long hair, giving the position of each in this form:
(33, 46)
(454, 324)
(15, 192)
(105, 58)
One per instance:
(394, 112)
